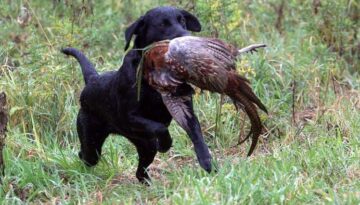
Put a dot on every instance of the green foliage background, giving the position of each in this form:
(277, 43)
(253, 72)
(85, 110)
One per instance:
(308, 77)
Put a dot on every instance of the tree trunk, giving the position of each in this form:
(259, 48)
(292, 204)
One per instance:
(3, 123)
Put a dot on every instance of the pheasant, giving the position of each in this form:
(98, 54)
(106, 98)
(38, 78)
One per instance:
(207, 63)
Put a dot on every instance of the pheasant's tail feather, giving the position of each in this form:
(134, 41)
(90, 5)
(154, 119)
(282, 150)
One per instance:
(253, 115)
(246, 90)
(245, 138)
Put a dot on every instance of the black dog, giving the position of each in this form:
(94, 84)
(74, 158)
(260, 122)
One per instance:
(109, 101)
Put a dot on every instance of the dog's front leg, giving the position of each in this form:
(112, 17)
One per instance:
(195, 134)
(146, 128)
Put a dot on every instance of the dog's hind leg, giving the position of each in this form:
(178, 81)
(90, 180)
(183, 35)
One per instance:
(92, 134)
(146, 150)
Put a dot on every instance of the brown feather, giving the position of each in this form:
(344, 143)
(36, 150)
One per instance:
(242, 84)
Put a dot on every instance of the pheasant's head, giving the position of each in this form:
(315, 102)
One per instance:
(154, 56)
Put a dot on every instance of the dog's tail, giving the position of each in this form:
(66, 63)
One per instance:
(87, 67)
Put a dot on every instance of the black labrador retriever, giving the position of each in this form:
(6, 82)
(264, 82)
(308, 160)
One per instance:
(109, 101)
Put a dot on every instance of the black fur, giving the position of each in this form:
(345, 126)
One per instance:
(109, 101)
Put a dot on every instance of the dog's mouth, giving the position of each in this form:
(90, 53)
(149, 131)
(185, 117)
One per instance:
(180, 34)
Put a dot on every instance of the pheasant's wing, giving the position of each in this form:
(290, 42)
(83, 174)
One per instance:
(178, 109)
(221, 52)
(208, 75)
(179, 105)
(205, 60)
(189, 48)
(163, 80)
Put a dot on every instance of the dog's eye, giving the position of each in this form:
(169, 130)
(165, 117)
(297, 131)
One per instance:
(181, 20)
(164, 23)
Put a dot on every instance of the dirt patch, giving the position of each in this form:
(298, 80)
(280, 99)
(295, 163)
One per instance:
(124, 178)
(21, 192)
(306, 115)
(353, 173)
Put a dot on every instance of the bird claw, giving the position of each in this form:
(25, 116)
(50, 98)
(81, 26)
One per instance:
(254, 50)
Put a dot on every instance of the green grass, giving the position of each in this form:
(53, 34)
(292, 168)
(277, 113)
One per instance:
(308, 156)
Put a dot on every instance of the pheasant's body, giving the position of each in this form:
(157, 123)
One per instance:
(206, 63)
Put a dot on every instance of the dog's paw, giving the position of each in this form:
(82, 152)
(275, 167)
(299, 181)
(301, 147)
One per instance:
(88, 162)
(143, 178)
(205, 164)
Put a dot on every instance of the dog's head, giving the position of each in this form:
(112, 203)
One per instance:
(161, 23)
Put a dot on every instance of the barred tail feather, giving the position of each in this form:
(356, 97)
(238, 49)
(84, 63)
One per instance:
(256, 125)
(246, 90)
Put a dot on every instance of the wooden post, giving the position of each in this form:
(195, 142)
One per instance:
(3, 123)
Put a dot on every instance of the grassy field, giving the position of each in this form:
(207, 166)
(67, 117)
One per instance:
(308, 78)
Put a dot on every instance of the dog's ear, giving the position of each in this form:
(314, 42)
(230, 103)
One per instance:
(133, 29)
(192, 23)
